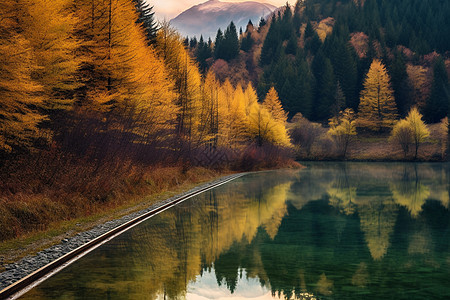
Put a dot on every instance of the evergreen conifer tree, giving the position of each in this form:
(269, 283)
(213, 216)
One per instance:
(437, 106)
(325, 88)
(147, 19)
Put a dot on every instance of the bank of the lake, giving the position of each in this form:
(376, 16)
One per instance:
(25, 255)
(376, 147)
(164, 184)
(332, 230)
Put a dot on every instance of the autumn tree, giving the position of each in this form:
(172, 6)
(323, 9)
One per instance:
(342, 130)
(49, 28)
(273, 104)
(187, 79)
(237, 123)
(402, 135)
(263, 128)
(412, 129)
(377, 108)
(418, 127)
(209, 112)
(122, 75)
(19, 96)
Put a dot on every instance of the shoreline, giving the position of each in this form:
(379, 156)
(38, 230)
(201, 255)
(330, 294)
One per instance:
(17, 270)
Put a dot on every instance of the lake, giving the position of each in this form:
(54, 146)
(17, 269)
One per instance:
(329, 231)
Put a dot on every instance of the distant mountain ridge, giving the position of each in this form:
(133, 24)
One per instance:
(206, 18)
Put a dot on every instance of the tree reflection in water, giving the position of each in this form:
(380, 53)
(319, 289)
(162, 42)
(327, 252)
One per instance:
(332, 231)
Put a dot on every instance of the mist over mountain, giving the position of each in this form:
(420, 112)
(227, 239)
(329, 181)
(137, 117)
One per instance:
(204, 19)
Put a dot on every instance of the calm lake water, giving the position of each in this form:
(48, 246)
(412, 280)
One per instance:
(330, 231)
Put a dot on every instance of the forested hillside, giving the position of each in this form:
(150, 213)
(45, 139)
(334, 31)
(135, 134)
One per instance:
(317, 54)
(94, 97)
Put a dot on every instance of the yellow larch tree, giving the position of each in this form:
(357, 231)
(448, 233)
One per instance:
(121, 73)
(377, 108)
(49, 27)
(264, 128)
(18, 91)
(225, 101)
(418, 127)
(209, 113)
(238, 121)
(273, 104)
(187, 80)
(251, 98)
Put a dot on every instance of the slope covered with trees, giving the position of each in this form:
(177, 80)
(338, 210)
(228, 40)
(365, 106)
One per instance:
(317, 53)
(373, 60)
(94, 95)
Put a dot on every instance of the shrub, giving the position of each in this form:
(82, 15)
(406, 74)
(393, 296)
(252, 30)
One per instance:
(305, 133)
(402, 135)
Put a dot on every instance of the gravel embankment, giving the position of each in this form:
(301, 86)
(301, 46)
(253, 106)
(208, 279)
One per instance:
(29, 264)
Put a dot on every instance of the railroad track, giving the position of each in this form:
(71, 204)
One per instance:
(19, 288)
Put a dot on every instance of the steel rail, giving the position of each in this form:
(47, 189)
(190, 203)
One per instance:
(20, 287)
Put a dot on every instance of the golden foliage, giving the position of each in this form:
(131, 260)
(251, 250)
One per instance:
(411, 195)
(19, 93)
(402, 135)
(420, 83)
(377, 108)
(49, 26)
(273, 104)
(418, 128)
(410, 130)
(378, 219)
(325, 28)
(342, 129)
(187, 79)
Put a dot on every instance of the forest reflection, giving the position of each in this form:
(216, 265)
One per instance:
(339, 230)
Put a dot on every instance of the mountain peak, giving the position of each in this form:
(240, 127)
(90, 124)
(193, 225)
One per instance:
(206, 18)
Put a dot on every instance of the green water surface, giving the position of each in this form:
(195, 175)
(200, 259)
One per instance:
(330, 231)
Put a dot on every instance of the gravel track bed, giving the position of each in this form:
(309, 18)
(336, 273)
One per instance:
(18, 270)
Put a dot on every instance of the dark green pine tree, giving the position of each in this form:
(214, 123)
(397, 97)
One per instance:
(344, 66)
(399, 82)
(262, 23)
(147, 19)
(270, 50)
(247, 42)
(286, 25)
(228, 48)
(193, 42)
(292, 45)
(324, 88)
(202, 54)
(309, 31)
(301, 99)
(313, 43)
(437, 105)
(297, 19)
(218, 50)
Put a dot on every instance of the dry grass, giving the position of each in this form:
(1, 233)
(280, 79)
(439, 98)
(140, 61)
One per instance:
(376, 147)
(36, 222)
(34, 196)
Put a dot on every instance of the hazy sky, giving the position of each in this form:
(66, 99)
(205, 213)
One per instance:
(169, 9)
